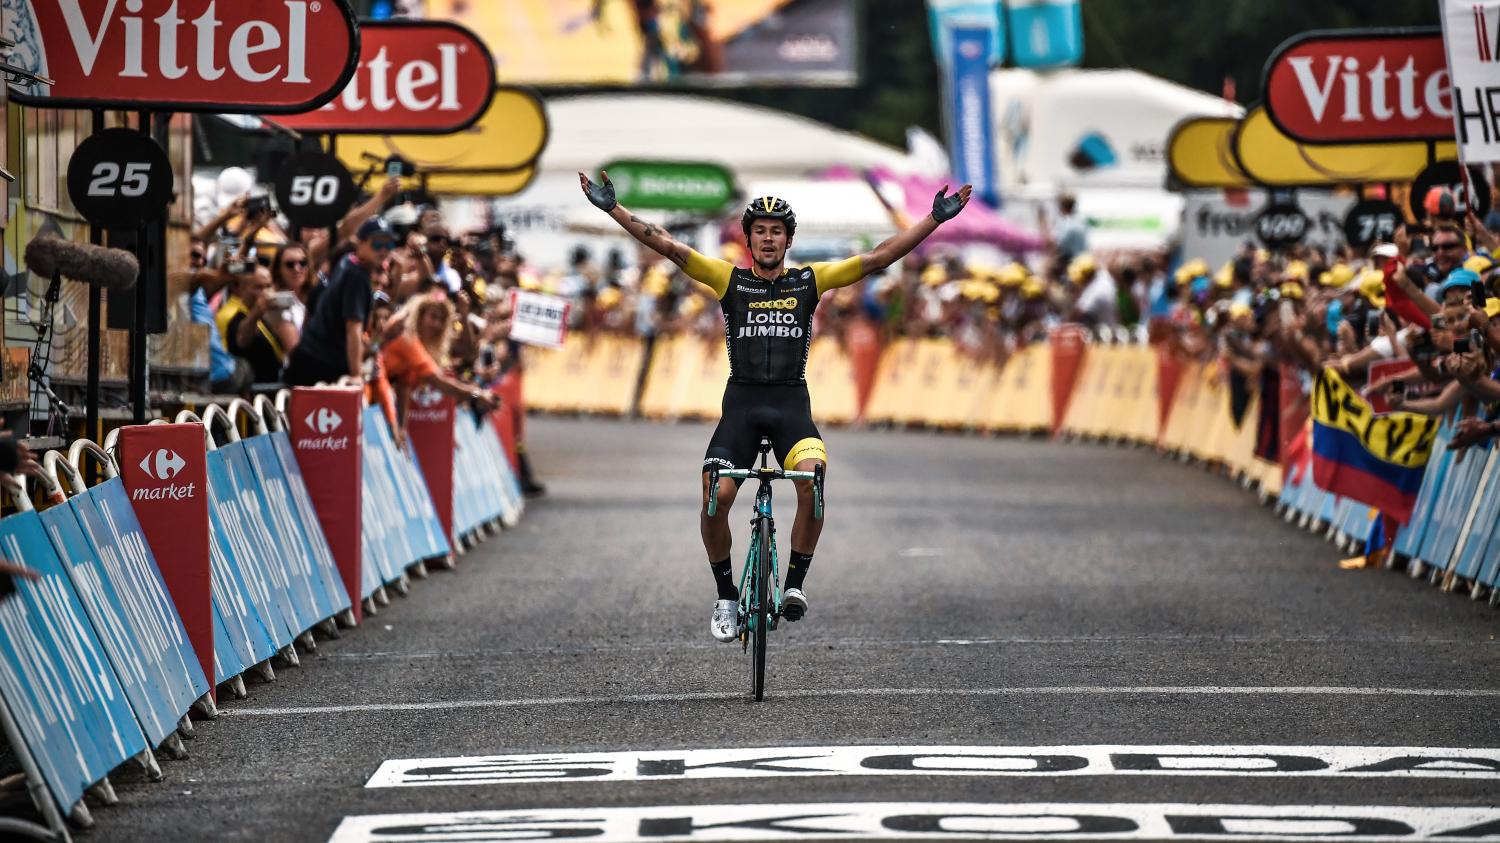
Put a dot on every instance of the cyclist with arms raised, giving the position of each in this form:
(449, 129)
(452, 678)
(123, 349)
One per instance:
(768, 311)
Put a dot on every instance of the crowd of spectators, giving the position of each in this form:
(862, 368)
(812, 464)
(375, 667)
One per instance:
(400, 303)
(390, 299)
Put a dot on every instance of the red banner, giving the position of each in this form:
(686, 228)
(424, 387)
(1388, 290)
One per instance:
(429, 422)
(184, 55)
(327, 437)
(414, 77)
(1068, 345)
(165, 471)
(1361, 86)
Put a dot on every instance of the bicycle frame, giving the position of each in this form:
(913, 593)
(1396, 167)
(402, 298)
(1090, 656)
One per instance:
(762, 513)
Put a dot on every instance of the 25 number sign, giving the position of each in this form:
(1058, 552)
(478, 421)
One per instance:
(121, 179)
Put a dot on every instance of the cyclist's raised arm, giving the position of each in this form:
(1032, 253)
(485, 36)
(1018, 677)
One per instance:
(843, 273)
(710, 272)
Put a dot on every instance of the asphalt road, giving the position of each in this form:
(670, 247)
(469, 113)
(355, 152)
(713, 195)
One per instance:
(1088, 606)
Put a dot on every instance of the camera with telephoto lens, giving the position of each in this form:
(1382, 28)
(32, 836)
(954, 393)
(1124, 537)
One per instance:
(257, 205)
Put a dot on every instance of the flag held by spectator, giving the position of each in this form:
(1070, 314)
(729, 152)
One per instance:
(1376, 460)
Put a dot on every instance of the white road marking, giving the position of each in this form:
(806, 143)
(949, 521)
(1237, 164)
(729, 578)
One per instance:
(815, 642)
(807, 693)
(800, 761)
(916, 820)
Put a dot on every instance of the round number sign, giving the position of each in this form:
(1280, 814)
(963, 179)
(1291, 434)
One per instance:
(119, 178)
(1447, 175)
(1279, 226)
(1372, 221)
(314, 190)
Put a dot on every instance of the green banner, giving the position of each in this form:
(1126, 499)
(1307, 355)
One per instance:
(671, 185)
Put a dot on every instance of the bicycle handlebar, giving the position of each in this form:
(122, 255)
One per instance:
(773, 474)
(764, 475)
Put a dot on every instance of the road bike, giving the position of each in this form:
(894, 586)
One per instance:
(760, 584)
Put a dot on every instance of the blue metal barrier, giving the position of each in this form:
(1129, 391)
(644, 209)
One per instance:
(1470, 561)
(309, 563)
(303, 511)
(245, 548)
(412, 501)
(395, 551)
(61, 691)
(1409, 539)
(1451, 507)
(98, 539)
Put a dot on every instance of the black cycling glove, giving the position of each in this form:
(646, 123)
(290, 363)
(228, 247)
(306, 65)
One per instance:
(945, 207)
(601, 195)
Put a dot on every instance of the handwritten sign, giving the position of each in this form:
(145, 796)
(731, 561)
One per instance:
(538, 319)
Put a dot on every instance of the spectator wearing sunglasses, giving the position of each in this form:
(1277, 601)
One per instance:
(332, 344)
(439, 243)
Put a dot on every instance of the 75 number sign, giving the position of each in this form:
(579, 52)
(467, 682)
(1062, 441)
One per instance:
(314, 190)
(119, 178)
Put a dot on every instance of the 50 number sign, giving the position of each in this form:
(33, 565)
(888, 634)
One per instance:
(119, 178)
(314, 190)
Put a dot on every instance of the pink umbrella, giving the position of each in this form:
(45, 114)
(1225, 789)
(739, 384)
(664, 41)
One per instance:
(977, 224)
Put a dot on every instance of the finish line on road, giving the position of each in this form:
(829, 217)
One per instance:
(815, 693)
(781, 762)
(875, 820)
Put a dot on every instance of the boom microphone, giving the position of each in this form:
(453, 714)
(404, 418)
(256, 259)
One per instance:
(113, 269)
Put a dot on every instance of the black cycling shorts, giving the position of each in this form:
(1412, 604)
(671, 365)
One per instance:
(781, 412)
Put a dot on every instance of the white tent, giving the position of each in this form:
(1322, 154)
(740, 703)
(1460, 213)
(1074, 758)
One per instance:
(753, 142)
(769, 152)
(1101, 135)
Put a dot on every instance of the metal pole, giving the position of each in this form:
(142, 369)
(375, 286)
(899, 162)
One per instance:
(96, 305)
(333, 230)
(138, 333)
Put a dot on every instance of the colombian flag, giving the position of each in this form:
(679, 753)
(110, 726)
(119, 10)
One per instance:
(1376, 460)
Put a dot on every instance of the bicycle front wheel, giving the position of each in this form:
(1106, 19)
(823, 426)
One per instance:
(762, 608)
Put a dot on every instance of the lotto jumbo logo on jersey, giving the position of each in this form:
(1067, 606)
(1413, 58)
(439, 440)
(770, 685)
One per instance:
(771, 325)
(787, 303)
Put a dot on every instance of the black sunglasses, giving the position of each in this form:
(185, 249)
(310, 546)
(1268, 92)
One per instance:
(1454, 245)
(302, 264)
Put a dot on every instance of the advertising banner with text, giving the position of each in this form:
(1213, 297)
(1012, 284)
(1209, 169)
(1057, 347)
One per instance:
(1471, 33)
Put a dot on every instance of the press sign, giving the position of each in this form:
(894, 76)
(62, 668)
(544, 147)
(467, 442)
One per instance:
(538, 319)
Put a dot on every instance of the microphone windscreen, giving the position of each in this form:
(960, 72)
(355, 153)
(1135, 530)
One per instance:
(113, 269)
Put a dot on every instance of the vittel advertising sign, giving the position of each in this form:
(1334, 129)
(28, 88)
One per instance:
(1361, 86)
(414, 77)
(263, 57)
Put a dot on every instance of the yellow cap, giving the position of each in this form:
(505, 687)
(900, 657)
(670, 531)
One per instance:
(1296, 269)
(1492, 307)
(1239, 310)
(1082, 267)
(1224, 278)
(1339, 274)
(1479, 264)
(1013, 275)
(481, 289)
(1372, 286)
(934, 275)
(530, 283)
(1033, 288)
(1291, 290)
(1190, 270)
(609, 297)
(656, 282)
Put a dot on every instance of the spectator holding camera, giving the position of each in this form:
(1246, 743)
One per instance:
(248, 328)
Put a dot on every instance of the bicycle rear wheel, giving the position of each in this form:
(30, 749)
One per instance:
(761, 607)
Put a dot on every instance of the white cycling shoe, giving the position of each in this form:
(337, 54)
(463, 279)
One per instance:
(793, 604)
(725, 623)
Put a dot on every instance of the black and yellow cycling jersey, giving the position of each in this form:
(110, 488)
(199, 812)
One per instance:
(768, 324)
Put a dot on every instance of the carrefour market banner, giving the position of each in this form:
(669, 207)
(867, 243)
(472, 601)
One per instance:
(182, 55)
(1471, 36)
